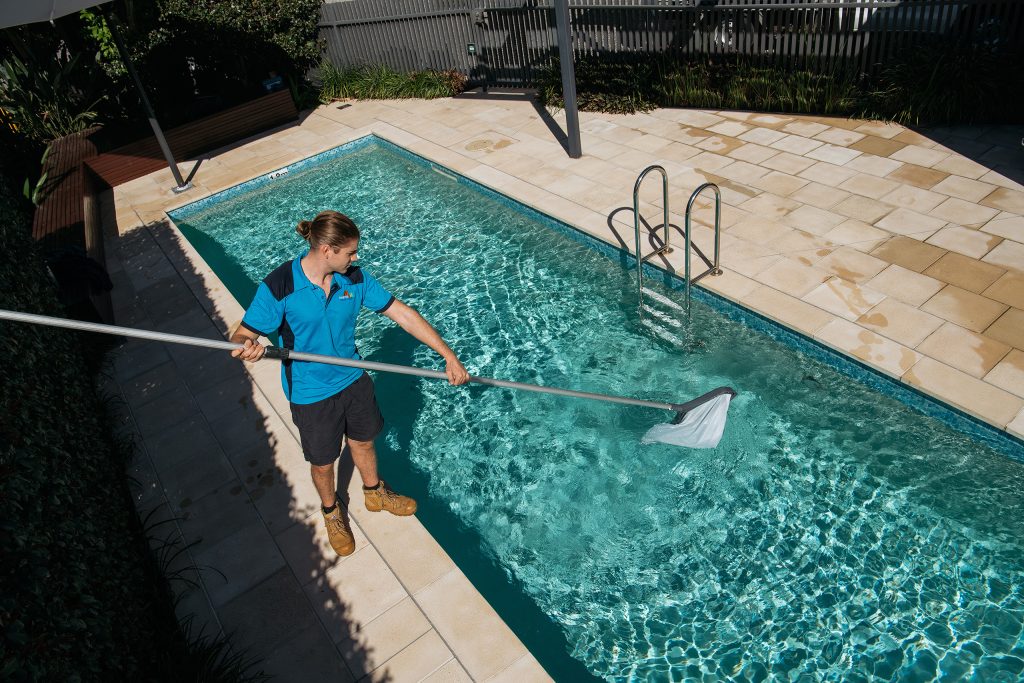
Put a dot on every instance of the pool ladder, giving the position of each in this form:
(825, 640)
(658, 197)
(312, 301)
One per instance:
(713, 267)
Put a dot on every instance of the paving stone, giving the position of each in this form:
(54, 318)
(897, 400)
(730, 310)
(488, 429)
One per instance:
(905, 285)
(969, 393)
(1007, 254)
(270, 615)
(922, 156)
(918, 176)
(217, 515)
(972, 243)
(1008, 289)
(1006, 225)
(1006, 200)
(960, 212)
(964, 308)
(450, 672)
(871, 144)
(173, 407)
(821, 196)
(813, 219)
(420, 659)
(852, 265)
(907, 222)
(308, 656)
(856, 234)
(964, 188)
(874, 165)
(910, 253)
(834, 154)
(862, 208)
(196, 476)
(1008, 328)
(869, 186)
(964, 350)
(965, 272)
(900, 322)
(787, 162)
(238, 562)
(1009, 373)
(481, 641)
(914, 198)
(374, 643)
(827, 174)
(354, 592)
(893, 358)
(842, 298)
(839, 136)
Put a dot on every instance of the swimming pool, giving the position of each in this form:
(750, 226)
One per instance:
(835, 532)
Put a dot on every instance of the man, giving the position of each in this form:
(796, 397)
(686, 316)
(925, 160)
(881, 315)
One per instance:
(312, 302)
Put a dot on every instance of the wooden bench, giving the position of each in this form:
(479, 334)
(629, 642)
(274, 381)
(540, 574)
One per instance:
(60, 217)
(210, 132)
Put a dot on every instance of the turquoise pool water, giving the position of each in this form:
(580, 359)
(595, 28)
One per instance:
(834, 534)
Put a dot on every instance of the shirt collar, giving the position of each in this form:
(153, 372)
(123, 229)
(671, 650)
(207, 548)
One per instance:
(301, 281)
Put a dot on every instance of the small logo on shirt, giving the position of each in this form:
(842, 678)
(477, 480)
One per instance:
(346, 294)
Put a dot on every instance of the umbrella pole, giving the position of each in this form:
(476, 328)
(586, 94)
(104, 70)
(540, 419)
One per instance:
(115, 31)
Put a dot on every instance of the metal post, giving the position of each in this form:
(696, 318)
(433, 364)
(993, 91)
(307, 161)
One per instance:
(115, 32)
(572, 117)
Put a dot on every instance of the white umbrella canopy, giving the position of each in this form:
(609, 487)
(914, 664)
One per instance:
(18, 12)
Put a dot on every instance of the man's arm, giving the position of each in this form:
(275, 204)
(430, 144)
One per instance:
(253, 350)
(416, 325)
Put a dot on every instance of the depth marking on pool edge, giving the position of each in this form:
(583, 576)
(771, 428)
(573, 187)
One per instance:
(278, 173)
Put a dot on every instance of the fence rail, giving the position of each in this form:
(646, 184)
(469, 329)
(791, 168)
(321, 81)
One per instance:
(504, 43)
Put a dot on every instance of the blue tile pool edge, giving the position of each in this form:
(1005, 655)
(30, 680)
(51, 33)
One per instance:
(959, 420)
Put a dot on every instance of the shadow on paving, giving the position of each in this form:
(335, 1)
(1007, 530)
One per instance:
(232, 473)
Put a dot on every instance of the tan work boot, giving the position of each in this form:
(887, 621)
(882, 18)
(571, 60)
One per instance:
(383, 498)
(339, 532)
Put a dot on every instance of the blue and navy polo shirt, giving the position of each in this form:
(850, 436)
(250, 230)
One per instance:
(312, 321)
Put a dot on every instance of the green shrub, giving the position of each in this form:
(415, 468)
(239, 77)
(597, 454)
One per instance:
(933, 84)
(925, 84)
(81, 595)
(47, 99)
(380, 82)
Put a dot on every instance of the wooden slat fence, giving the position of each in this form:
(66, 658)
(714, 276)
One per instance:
(513, 38)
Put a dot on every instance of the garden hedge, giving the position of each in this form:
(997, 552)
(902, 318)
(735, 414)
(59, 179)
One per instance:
(80, 596)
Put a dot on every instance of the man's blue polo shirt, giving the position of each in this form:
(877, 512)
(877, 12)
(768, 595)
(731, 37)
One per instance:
(315, 322)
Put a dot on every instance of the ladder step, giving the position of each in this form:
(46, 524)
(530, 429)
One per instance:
(661, 316)
(662, 332)
(662, 299)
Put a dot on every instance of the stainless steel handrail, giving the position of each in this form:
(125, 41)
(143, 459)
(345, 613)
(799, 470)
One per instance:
(713, 268)
(665, 248)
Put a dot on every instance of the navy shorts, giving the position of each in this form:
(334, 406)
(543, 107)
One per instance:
(351, 412)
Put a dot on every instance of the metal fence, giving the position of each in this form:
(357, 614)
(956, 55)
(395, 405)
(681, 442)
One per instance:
(504, 42)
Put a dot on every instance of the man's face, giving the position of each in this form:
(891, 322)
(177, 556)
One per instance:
(339, 261)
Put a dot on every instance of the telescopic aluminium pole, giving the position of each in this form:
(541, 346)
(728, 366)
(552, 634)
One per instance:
(286, 354)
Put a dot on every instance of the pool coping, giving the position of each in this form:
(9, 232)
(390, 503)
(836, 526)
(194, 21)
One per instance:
(895, 387)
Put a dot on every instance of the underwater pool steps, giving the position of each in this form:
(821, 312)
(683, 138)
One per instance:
(713, 267)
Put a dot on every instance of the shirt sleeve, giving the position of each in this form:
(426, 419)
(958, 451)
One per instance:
(265, 313)
(375, 297)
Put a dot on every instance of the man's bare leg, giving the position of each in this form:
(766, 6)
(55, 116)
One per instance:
(378, 496)
(364, 457)
(339, 533)
(323, 480)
